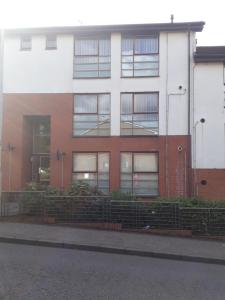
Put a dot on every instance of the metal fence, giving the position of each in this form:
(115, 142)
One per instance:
(104, 212)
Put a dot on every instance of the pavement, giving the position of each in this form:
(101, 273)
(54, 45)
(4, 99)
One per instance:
(177, 248)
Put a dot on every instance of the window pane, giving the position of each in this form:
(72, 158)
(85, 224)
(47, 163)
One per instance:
(41, 144)
(127, 66)
(127, 59)
(103, 162)
(145, 103)
(104, 67)
(140, 73)
(126, 162)
(104, 47)
(86, 74)
(127, 73)
(144, 58)
(126, 104)
(51, 42)
(145, 162)
(85, 104)
(104, 104)
(86, 47)
(127, 46)
(145, 184)
(86, 60)
(84, 162)
(88, 178)
(145, 65)
(146, 45)
(87, 67)
(104, 74)
(25, 42)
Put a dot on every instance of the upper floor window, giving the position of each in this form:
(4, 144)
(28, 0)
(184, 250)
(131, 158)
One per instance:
(51, 42)
(25, 42)
(140, 56)
(91, 115)
(92, 58)
(139, 114)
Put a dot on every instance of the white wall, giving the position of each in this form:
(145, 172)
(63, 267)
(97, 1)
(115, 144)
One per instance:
(208, 139)
(38, 70)
(42, 71)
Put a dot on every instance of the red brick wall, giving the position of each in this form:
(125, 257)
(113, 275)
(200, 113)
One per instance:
(215, 183)
(173, 176)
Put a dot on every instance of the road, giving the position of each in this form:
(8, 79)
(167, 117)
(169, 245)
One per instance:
(39, 273)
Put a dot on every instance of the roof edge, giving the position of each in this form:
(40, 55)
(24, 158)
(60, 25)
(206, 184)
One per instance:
(209, 54)
(157, 27)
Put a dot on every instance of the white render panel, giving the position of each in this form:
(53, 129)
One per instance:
(208, 139)
(38, 70)
(51, 71)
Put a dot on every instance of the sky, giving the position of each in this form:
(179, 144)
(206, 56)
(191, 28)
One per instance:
(39, 13)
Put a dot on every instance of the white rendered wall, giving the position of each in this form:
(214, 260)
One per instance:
(38, 70)
(208, 139)
(51, 71)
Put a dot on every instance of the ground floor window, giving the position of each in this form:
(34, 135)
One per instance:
(92, 168)
(139, 173)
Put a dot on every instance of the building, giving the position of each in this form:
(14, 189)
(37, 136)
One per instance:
(131, 107)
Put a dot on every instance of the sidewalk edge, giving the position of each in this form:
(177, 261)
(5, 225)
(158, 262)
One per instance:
(104, 249)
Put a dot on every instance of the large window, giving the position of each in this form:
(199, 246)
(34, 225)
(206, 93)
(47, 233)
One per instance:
(140, 56)
(92, 168)
(91, 115)
(92, 58)
(139, 114)
(139, 173)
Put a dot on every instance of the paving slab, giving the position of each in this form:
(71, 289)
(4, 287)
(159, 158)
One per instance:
(114, 242)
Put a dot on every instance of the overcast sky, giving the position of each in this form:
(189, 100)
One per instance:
(38, 13)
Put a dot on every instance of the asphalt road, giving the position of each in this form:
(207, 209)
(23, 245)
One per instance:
(32, 272)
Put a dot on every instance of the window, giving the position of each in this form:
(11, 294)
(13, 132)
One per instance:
(51, 42)
(140, 56)
(139, 114)
(91, 115)
(41, 136)
(92, 58)
(139, 173)
(25, 42)
(93, 169)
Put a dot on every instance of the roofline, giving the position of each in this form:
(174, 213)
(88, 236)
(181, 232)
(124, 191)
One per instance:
(156, 27)
(210, 54)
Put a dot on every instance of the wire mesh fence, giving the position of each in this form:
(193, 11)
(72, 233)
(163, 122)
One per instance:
(104, 212)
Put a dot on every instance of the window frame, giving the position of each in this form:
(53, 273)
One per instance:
(88, 37)
(132, 171)
(96, 165)
(24, 36)
(46, 42)
(135, 37)
(138, 113)
(97, 113)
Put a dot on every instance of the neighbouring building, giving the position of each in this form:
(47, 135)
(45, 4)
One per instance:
(133, 107)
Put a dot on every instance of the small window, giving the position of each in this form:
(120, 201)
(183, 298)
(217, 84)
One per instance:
(25, 42)
(51, 42)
